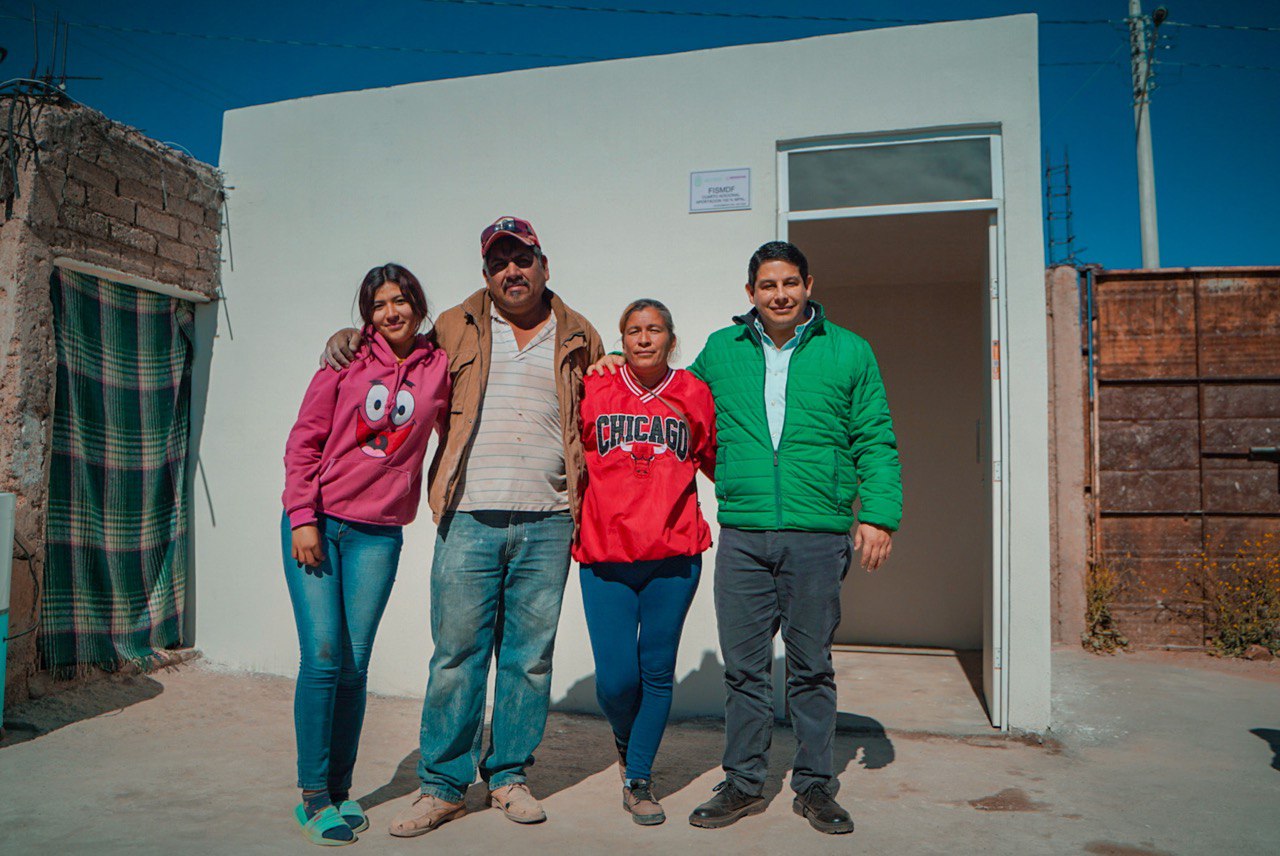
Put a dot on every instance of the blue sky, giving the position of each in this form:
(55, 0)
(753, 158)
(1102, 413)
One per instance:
(1216, 130)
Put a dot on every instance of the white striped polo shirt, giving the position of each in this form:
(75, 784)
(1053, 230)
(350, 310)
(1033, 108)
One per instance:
(517, 456)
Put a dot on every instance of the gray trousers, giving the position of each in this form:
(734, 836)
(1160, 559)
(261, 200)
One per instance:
(766, 581)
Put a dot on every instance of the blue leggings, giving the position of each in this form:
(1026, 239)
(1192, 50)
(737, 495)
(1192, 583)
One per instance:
(635, 612)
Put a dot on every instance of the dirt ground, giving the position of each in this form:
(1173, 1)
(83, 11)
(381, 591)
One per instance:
(1150, 754)
(1267, 672)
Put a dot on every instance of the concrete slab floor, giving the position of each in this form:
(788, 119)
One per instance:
(930, 690)
(1152, 754)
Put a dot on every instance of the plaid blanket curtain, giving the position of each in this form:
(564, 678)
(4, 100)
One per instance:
(117, 537)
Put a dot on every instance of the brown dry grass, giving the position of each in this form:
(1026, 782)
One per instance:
(1103, 584)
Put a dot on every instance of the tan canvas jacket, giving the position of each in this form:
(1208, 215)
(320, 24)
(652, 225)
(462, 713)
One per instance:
(465, 334)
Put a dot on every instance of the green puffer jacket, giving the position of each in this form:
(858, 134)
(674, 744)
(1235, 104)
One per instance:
(837, 438)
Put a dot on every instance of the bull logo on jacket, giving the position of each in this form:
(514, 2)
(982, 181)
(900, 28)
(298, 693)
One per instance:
(645, 439)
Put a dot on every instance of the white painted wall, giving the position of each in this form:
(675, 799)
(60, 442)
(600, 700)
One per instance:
(598, 157)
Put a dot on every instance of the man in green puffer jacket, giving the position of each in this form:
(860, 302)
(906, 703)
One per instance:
(804, 430)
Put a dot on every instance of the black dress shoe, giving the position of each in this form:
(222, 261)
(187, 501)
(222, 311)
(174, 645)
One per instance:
(822, 811)
(727, 806)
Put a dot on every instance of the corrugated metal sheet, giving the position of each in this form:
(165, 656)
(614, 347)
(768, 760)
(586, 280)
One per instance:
(1188, 363)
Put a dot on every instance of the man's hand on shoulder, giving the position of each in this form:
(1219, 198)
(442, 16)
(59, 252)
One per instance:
(610, 363)
(341, 348)
(874, 543)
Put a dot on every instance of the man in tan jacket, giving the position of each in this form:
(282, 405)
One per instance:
(504, 489)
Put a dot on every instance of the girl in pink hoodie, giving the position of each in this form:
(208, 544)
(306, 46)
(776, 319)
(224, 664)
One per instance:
(353, 477)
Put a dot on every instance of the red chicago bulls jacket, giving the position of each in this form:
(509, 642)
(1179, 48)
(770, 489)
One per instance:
(644, 448)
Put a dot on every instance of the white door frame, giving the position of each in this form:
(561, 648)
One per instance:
(996, 623)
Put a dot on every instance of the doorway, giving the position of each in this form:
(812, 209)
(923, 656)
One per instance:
(903, 240)
(912, 285)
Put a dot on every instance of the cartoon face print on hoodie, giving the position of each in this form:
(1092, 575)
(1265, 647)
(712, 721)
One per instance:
(382, 425)
(356, 451)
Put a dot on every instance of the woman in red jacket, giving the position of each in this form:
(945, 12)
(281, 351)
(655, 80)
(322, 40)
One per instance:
(646, 430)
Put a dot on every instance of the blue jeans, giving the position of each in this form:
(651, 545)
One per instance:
(497, 581)
(635, 613)
(337, 606)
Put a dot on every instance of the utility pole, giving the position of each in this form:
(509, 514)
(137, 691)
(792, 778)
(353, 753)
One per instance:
(1142, 33)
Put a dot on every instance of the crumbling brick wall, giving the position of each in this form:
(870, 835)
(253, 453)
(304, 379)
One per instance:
(102, 193)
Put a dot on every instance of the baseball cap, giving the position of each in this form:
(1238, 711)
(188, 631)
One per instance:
(521, 230)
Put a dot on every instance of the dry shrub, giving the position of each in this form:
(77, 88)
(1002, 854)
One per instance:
(1102, 586)
(1238, 593)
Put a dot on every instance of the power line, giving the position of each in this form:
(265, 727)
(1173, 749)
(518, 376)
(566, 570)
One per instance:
(257, 40)
(824, 19)
(564, 7)
(168, 67)
(297, 43)
(700, 13)
(681, 13)
(189, 88)
(1101, 66)
(1237, 27)
(27, 82)
(173, 78)
(1223, 65)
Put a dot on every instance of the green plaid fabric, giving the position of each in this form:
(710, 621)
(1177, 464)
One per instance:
(117, 537)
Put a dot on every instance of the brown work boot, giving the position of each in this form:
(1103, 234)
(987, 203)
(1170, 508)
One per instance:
(424, 814)
(639, 800)
(517, 803)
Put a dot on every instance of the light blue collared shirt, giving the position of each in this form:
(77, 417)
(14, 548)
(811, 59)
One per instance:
(777, 361)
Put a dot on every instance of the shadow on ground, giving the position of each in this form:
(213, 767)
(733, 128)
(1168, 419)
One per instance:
(576, 747)
(971, 663)
(862, 738)
(108, 694)
(702, 688)
(1272, 736)
(578, 744)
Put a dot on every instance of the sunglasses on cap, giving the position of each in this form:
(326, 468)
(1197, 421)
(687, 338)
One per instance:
(523, 260)
(520, 229)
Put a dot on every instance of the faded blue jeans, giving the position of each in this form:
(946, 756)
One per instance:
(337, 606)
(497, 581)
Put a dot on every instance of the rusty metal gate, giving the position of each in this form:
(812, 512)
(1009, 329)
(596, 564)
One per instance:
(1187, 381)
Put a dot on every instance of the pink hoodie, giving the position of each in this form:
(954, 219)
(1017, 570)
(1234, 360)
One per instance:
(357, 448)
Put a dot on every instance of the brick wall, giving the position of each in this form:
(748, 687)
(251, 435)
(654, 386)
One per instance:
(105, 194)
(108, 195)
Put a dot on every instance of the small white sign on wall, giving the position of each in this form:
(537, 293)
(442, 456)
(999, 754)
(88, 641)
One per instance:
(720, 190)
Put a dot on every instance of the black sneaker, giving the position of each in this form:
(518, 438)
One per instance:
(727, 806)
(822, 811)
